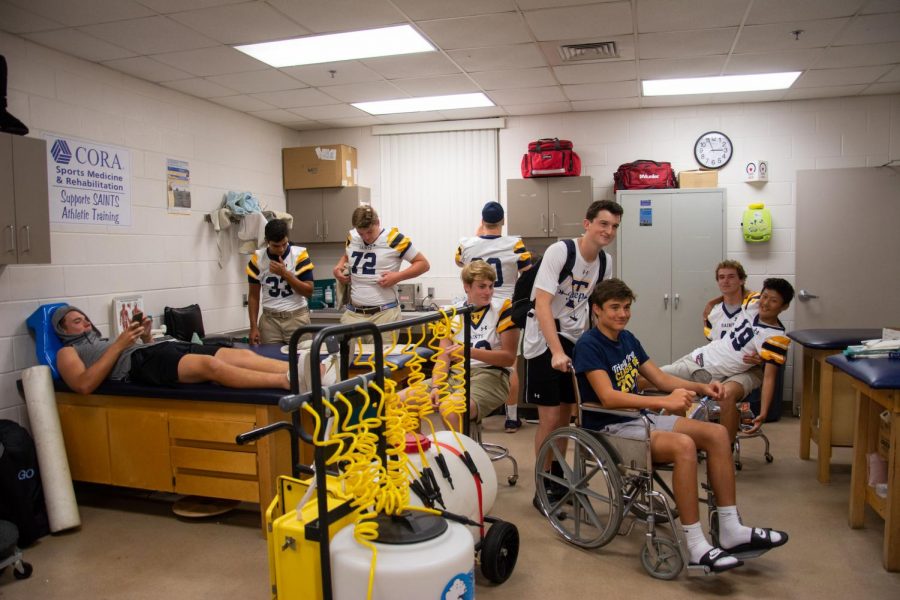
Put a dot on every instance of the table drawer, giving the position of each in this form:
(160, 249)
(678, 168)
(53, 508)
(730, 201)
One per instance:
(202, 484)
(207, 459)
(206, 430)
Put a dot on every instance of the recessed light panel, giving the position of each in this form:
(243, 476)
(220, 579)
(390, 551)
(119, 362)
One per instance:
(427, 103)
(720, 85)
(352, 45)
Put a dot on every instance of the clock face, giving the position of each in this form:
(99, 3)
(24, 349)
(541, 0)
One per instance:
(713, 150)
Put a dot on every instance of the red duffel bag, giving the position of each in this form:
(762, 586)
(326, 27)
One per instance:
(644, 175)
(551, 157)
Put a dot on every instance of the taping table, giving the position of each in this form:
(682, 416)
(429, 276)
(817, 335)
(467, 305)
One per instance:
(877, 385)
(826, 405)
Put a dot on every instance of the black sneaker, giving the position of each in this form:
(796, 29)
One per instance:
(512, 425)
(561, 515)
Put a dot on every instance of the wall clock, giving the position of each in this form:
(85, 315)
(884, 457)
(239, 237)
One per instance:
(713, 150)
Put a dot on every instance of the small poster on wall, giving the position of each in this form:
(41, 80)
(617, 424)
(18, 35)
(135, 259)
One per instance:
(178, 186)
(123, 311)
(89, 183)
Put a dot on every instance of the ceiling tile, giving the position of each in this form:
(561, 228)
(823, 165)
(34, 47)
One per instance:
(892, 75)
(891, 87)
(150, 35)
(89, 12)
(199, 87)
(16, 20)
(622, 70)
(348, 71)
(779, 11)
(760, 96)
(437, 86)
(211, 61)
(241, 23)
(243, 103)
(270, 80)
(535, 4)
(835, 77)
(295, 98)
(778, 36)
(860, 55)
(594, 91)
(364, 92)
(697, 66)
(275, 115)
(881, 6)
(76, 43)
(441, 9)
(542, 108)
(665, 15)
(520, 56)
(593, 21)
(170, 6)
(305, 125)
(823, 92)
(660, 101)
(325, 16)
(147, 68)
(353, 122)
(871, 29)
(606, 104)
(411, 65)
(333, 111)
(773, 62)
(679, 44)
(476, 32)
(514, 78)
(528, 95)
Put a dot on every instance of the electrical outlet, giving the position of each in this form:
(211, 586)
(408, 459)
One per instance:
(245, 300)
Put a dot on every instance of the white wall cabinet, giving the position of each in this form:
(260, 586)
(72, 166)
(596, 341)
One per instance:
(323, 215)
(669, 244)
(548, 206)
(24, 204)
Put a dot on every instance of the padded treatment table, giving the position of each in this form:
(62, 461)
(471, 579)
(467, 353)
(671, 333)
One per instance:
(877, 385)
(181, 439)
(826, 405)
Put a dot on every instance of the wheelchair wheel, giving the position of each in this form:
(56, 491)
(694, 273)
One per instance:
(661, 558)
(590, 490)
(499, 551)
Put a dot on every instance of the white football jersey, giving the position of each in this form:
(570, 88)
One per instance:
(275, 293)
(506, 253)
(721, 321)
(725, 357)
(368, 261)
(570, 298)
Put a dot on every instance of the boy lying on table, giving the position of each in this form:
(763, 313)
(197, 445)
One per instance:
(608, 359)
(86, 359)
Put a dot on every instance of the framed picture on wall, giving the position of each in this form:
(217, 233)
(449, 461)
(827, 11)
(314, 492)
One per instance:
(122, 311)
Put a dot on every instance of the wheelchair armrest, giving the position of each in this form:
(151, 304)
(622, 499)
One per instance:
(632, 413)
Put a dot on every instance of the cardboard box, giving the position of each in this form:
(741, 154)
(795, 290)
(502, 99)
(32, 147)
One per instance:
(319, 167)
(698, 179)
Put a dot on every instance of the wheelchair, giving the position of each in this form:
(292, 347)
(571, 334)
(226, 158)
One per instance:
(606, 480)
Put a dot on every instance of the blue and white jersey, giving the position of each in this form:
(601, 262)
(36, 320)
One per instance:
(725, 357)
(721, 319)
(506, 253)
(367, 262)
(276, 293)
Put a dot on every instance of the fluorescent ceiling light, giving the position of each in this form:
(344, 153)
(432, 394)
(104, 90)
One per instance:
(408, 105)
(387, 41)
(720, 85)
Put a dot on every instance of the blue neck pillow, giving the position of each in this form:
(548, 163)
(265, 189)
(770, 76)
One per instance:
(46, 342)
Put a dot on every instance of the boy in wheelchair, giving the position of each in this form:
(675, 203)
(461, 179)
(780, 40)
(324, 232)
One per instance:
(607, 361)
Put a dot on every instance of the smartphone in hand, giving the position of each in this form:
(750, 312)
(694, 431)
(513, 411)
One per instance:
(138, 318)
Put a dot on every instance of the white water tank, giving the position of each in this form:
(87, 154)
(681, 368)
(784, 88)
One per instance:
(437, 562)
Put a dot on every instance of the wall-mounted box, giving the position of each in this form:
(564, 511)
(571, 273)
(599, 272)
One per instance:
(698, 179)
(756, 170)
(319, 167)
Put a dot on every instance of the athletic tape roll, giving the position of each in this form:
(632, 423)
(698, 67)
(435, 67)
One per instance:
(59, 495)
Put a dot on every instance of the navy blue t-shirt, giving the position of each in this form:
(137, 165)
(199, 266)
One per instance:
(620, 359)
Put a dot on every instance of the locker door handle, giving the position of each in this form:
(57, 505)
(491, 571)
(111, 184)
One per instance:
(317, 228)
(675, 302)
(27, 229)
(12, 238)
(325, 235)
(665, 302)
(544, 223)
(552, 222)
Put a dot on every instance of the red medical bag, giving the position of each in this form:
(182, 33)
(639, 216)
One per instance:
(644, 175)
(551, 157)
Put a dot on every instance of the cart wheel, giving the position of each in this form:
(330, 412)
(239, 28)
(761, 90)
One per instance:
(25, 573)
(512, 479)
(769, 457)
(499, 551)
(661, 558)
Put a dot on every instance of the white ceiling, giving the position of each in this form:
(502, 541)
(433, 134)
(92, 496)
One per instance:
(507, 49)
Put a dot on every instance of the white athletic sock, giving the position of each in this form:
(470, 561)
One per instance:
(732, 532)
(512, 411)
(698, 546)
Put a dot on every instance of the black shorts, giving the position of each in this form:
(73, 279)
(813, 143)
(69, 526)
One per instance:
(545, 385)
(158, 364)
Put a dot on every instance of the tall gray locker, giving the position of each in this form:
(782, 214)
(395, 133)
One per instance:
(669, 244)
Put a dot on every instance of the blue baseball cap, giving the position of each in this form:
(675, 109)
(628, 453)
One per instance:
(492, 212)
